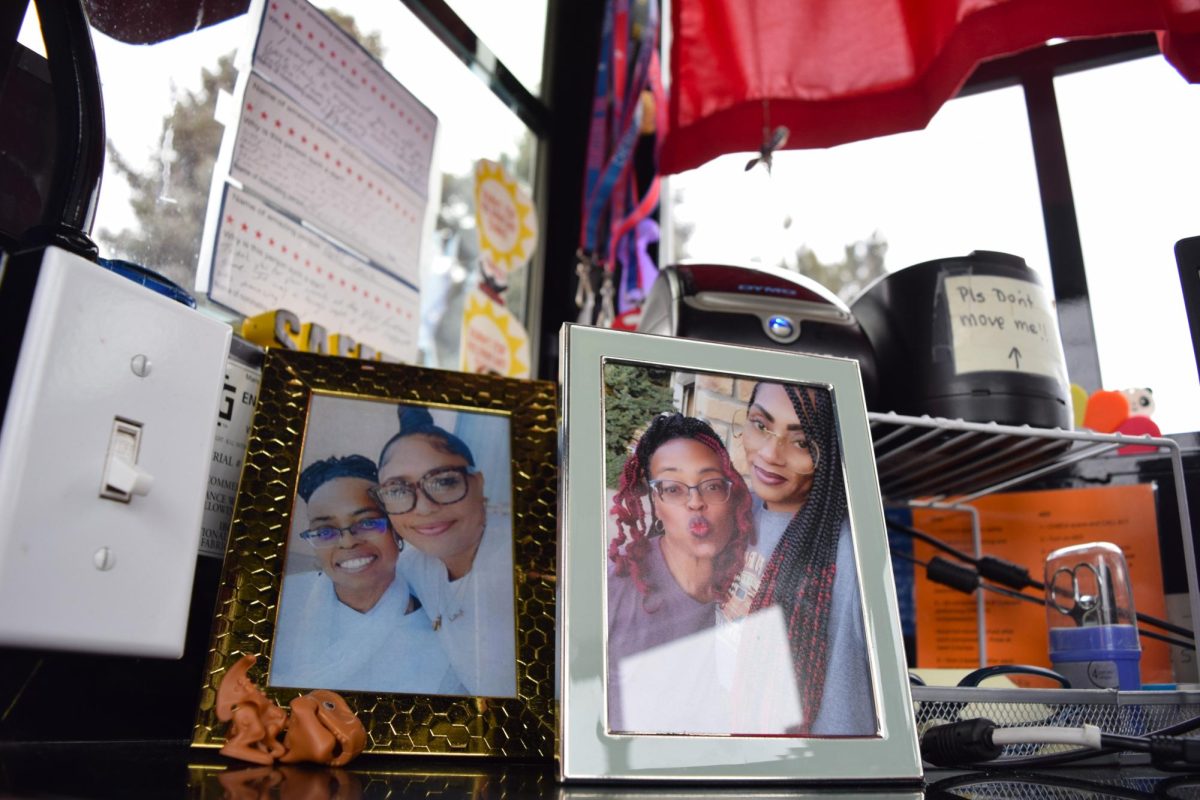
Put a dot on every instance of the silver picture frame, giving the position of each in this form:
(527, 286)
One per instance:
(590, 748)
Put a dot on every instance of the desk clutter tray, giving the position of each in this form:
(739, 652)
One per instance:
(1125, 713)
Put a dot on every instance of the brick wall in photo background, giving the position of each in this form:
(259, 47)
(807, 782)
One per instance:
(716, 399)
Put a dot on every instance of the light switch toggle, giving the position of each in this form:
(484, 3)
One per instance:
(123, 478)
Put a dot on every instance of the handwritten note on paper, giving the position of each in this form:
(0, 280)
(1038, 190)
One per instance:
(1004, 324)
(287, 157)
(323, 69)
(264, 261)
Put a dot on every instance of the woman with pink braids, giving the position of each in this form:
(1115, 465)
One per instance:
(673, 559)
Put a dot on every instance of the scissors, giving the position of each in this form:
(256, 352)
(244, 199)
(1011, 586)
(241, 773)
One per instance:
(1092, 601)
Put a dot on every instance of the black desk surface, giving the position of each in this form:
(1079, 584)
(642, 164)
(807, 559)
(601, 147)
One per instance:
(173, 769)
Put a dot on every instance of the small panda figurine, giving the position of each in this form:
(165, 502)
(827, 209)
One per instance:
(1141, 402)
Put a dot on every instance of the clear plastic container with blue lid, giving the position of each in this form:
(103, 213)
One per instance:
(1089, 611)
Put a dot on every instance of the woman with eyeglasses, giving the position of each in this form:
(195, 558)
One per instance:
(459, 557)
(802, 558)
(673, 560)
(353, 624)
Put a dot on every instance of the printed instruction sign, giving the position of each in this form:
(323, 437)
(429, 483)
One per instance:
(319, 198)
(264, 261)
(326, 72)
(1024, 527)
(295, 163)
(1003, 324)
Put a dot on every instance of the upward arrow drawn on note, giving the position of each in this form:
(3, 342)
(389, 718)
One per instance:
(1015, 355)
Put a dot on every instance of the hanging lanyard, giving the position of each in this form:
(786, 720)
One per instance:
(622, 245)
(643, 207)
(609, 185)
(597, 133)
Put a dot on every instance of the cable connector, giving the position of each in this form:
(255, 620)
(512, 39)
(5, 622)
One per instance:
(998, 570)
(1171, 753)
(977, 740)
(966, 742)
(956, 576)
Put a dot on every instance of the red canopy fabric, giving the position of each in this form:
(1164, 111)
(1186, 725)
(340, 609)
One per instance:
(836, 71)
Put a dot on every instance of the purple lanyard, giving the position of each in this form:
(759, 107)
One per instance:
(616, 118)
(610, 187)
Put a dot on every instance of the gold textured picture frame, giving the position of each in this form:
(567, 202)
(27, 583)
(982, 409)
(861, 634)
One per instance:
(358, 470)
(726, 603)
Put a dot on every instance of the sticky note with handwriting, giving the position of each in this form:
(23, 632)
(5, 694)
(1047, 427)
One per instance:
(1004, 324)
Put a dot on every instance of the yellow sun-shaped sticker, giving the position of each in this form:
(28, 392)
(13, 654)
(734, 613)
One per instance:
(493, 341)
(504, 217)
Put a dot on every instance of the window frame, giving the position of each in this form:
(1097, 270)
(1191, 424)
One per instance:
(1035, 71)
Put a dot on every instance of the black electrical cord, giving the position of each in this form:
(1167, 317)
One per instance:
(1119, 741)
(966, 580)
(930, 539)
(1162, 789)
(1060, 759)
(973, 741)
(1041, 601)
(1017, 577)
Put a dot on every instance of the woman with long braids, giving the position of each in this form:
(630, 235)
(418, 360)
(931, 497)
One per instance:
(673, 561)
(802, 559)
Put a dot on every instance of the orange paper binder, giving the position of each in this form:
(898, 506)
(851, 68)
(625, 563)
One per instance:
(1024, 527)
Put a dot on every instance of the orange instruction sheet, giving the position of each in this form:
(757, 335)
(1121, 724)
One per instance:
(1023, 527)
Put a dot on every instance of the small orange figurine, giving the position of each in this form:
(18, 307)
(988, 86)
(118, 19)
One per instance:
(254, 721)
(323, 729)
(1105, 411)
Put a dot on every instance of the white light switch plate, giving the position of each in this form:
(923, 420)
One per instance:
(77, 571)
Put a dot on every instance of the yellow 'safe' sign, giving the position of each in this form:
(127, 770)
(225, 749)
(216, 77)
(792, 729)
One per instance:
(282, 328)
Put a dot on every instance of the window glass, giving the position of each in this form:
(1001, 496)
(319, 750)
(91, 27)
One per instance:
(514, 30)
(159, 102)
(967, 182)
(163, 140)
(1130, 134)
(472, 124)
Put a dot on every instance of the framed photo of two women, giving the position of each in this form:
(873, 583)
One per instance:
(726, 604)
(393, 540)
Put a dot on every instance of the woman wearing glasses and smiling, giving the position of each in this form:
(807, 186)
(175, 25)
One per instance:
(671, 565)
(458, 557)
(352, 624)
(802, 559)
